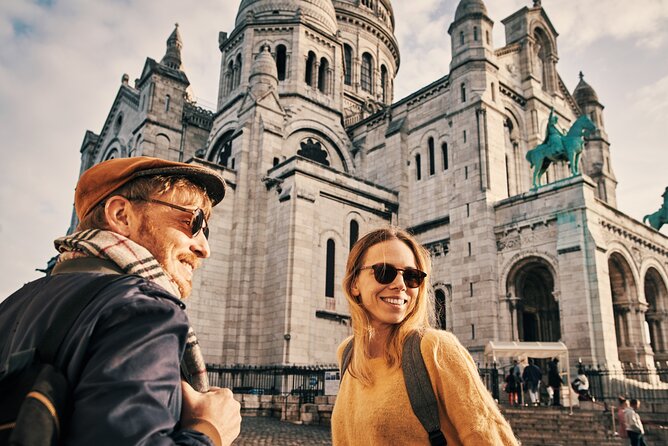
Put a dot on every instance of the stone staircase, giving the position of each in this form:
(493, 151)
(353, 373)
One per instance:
(545, 426)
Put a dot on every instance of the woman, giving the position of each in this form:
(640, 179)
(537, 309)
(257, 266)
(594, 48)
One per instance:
(388, 295)
(621, 420)
(513, 383)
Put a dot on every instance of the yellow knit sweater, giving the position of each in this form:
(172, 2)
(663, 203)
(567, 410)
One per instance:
(381, 414)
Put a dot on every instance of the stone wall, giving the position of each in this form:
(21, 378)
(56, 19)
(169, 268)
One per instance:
(287, 408)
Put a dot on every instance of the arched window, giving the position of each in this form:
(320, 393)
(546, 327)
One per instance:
(475, 33)
(281, 62)
(119, 122)
(441, 317)
(329, 269)
(354, 232)
(348, 64)
(462, 89)
(418, 167)
(383, 83)
(310, 65)
(322, 75)
(167, 101)
(237, 73)
(487, 37)
(230, 76)
(432, 161)
(222, 149)
(444, 154)
(367, 73)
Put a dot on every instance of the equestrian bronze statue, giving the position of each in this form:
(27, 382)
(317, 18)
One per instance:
(558, 146)
(660, 217)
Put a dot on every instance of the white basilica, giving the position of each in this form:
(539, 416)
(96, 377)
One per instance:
(317, 151)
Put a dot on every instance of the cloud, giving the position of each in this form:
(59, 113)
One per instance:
(60, 68)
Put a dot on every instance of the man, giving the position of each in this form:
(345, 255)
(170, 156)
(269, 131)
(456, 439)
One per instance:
(553, 135)
(634, 427)
(144, 218)
(532, 376)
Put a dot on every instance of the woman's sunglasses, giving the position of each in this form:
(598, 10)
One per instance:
(384, 273)
(197, 222)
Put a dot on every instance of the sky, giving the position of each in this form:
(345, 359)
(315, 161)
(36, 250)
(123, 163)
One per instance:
(61, 63)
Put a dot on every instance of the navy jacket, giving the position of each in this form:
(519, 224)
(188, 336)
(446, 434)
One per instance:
(121, 357)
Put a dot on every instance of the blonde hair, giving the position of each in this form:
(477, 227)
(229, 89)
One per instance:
(149, 187)
(418, 315)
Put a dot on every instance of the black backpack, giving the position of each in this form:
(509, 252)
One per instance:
(418, 384)
(35, 397)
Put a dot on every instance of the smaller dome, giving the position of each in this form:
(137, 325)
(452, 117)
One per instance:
(264, 64)
(264, 75)
(584, 93)
(467, 7)
(318, 12)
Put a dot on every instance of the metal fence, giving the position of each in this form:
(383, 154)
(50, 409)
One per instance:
(649, 385)
(307, 382)
(490, 376)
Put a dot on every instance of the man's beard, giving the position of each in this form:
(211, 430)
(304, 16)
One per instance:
(156, 245)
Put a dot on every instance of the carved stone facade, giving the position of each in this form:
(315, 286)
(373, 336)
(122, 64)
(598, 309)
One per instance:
(317, 154)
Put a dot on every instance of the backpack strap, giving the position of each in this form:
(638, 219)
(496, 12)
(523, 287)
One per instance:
(347, 356)
(418, 384)
(55, 334)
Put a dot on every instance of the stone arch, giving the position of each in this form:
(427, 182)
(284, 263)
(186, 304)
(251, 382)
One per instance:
(530, 291)
(162, 142)
(348, 226)
(298, 130)
(115, 149)
(340, 254)
(221, 149)
(543, 57)
(628, 311)
(513, 153)
(656, 317)
(443, 306)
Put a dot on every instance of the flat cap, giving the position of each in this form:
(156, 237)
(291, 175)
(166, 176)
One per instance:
(98, 182)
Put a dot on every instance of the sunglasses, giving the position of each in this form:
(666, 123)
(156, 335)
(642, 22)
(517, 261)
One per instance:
(197, 222)
(384, 273)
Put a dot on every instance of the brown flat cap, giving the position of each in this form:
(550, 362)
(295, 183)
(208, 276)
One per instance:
(98, 182)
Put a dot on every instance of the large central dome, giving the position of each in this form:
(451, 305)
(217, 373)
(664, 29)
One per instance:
(320, 12)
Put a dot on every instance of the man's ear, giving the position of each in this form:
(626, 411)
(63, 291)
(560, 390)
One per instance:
(120, 215)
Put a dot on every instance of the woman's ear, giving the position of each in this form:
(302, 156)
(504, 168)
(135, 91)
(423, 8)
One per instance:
(355, 291)
(119, 214)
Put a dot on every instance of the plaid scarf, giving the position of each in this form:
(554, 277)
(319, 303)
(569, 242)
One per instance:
(134, 259)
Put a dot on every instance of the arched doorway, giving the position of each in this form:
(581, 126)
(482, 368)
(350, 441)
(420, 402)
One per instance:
(627, 309)
(656, 295)
(534, 310)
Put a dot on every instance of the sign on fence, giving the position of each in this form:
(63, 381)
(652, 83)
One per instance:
(332, 381)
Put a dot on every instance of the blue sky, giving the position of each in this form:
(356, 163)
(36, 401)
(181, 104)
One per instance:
(61, 63)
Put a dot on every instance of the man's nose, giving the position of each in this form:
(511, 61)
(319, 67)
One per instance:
(200, 246)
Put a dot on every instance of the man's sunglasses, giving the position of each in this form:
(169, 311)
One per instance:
(197, 222)
(384, 273)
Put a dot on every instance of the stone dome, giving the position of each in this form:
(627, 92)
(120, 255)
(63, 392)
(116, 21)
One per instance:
(264, 64)
(584, 93)
(320, 12)
(466, 7)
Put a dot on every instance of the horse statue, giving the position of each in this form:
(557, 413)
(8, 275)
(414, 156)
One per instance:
(559, 147)
(660, 217)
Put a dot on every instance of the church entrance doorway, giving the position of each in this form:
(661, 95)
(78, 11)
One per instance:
(535, 311)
